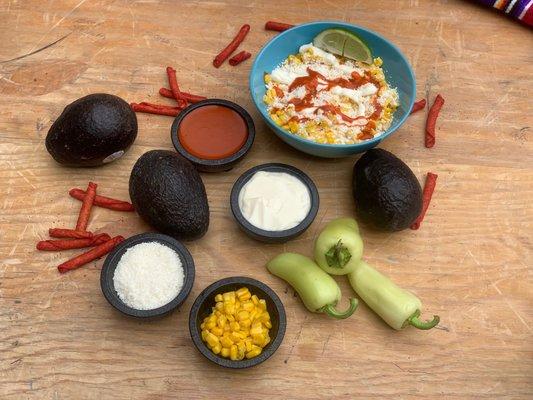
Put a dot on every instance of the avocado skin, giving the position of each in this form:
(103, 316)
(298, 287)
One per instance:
(91, 129)
(168, 193)
(386, 192)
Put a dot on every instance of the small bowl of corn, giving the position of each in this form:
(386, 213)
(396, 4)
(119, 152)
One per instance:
(237, 322)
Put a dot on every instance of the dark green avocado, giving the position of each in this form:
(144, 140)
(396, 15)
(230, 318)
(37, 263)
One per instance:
(168, 193)
(92, 131)
(386, 192)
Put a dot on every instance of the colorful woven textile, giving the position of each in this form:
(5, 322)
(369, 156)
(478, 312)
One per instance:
(518, 9)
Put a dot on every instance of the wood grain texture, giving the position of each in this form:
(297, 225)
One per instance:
(470, 262)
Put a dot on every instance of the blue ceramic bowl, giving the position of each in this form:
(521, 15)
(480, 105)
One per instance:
(398, 73)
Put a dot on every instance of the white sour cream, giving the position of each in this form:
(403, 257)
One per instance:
(274, 201)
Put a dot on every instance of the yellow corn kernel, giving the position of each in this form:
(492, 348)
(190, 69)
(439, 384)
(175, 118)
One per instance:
(237, 336)
(229, 297)
(266, 341)
(211, 339)
(242, 315)
(218, 297)
(204, 335)
(268, 100)
(378, 62)
(268, 324)
(219, 306)
(216, 349)
(245, 332)
(247, 306)
(221, 321)
(241, 350)
(229, 309)
(225, 352)
(267, 78)
(242, 291)
(226, 342)
(233, 352)
(226, 328)
(230, 318)
(254, 352)
(276, 119)
(202, 325)
(248, 344)
(255, 299)
(210, 325)
(258, 339)
(257, 329)
(246, 323)
(244, 297)
(235, 326)
(217, 331)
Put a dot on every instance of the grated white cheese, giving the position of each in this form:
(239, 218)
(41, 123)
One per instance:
(148, 276)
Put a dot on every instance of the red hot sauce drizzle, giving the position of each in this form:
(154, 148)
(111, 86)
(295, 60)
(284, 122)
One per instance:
(311, 82)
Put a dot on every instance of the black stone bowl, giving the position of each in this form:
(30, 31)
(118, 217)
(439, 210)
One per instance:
(202, 307)
(108, 270)
(223, 164)
(274, 236)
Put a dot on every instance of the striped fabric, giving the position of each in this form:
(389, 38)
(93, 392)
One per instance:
(518, 9)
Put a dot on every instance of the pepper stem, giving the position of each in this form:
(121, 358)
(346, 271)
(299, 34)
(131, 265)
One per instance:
(333, 312)
(415, 321)
(338, 255)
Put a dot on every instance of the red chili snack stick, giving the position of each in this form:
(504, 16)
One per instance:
(419, 105)
(103, 201)
(173, 83)
(432, 120)
(239, 58)
(191, 98)
(161, 106)
(154, 110)
(230, 48)
(68, 244)
(62, 233)
(91, 255)
(429, 187)
(277, 26)
(85, 210)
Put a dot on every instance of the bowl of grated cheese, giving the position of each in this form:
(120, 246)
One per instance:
(148, 275)
(328, 105)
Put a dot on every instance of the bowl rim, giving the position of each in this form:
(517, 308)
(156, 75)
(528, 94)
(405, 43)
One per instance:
(341, 24)
(287, 233)
(219, 162)
(110, 264)
(194, 328)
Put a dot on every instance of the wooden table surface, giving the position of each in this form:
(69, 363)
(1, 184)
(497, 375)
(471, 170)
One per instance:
(470, 262)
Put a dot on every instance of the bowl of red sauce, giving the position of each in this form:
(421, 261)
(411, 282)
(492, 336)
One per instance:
(213, 134)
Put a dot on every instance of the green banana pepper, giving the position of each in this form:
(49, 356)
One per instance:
(396, 306)
(339, 247)
(318, 291)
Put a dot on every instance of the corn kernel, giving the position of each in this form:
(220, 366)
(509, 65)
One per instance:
(255, 299)
(226, 342)
(211, 339)
(247, 306)
(242, 315)
(235, 326)
(245, 323)
(217, 331)
(224, 352)
(229, 296)
(216, 349)
(268, 324)
(219, 306)
(221, 321)
(218, 297)
(210, 325)
(253, 353)
(248, 344)
(233, 353)
(237, 336)
(258, 339)
(267, 78)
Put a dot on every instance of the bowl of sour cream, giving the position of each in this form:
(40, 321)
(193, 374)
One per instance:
(274, 202)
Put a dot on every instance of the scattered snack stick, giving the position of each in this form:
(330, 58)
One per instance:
(239, 58)
(432, 120)
(418, 105)
(161, 106)
(103, 201)
(173, 83)
(230, 48)
(90, 255)
(191, 98)
(86, 206)
(63, 233)
(429, 187)
(68, 244)
(172, 112)
(277, 26)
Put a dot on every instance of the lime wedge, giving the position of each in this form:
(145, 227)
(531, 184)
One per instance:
(343, 43)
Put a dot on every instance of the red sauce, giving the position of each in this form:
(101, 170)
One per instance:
(212, 132)
(311, 81)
